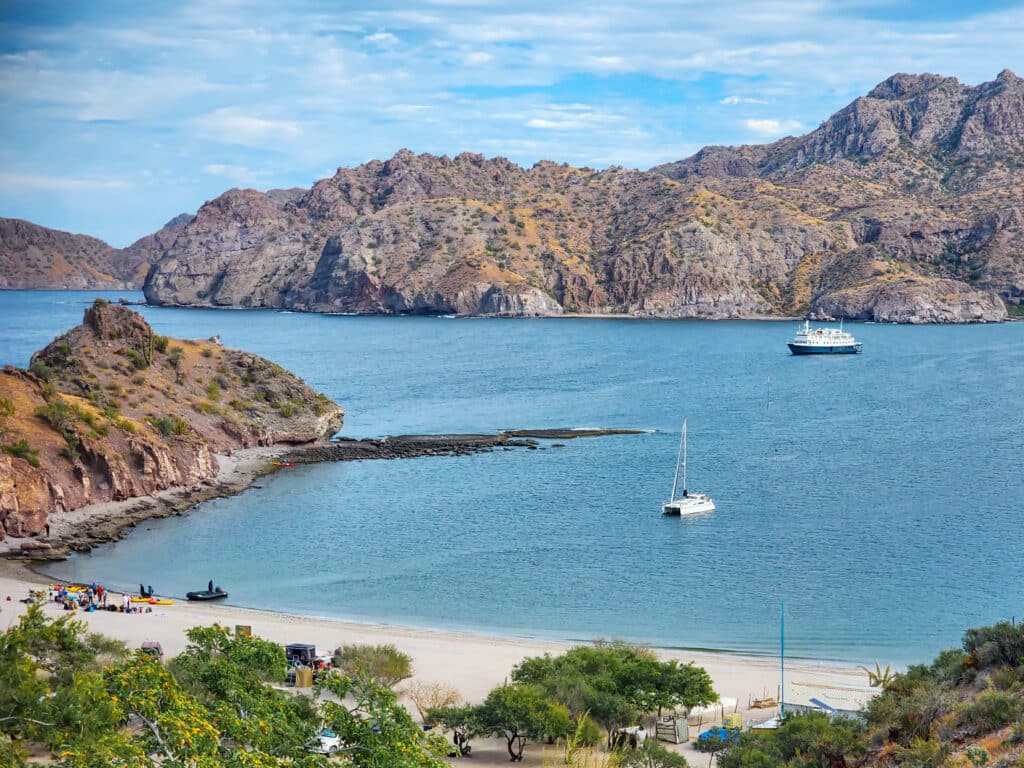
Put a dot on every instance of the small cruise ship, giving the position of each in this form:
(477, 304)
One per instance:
(823, 341)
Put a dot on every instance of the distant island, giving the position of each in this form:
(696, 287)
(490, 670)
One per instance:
(905, 206)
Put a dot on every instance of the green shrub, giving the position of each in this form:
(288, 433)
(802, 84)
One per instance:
(137, 360)
(59, 414)
(160, 343)
(22, 450)
(1001, 644)
(41, 370)
(213, 390)
(176, 356)
(100, 302)
(169, 426)
(923, 754)
(991, 711)
(207, 352)
(287, 409)
(652, 755)
(70, 451)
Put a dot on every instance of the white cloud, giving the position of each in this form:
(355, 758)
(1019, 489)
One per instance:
(232, 126)
(239, 173)
(772, 127)
(15, 182)
(383, 39)
(476, 58)
(730, 100)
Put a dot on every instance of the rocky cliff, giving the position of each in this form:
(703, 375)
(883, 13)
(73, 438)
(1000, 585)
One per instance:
(906, 206)
(37, 257)
(110, 410)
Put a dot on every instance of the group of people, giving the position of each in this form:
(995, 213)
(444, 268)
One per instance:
(94, 597)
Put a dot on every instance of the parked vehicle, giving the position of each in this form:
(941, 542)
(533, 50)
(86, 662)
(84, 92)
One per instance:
(327, 742)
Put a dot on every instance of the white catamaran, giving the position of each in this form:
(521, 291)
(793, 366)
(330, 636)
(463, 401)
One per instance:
(688, 503)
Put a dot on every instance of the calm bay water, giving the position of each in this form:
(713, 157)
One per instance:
(879, 495)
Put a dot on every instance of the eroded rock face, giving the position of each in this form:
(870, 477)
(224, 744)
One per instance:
(127, 413)
(916, 301)
(26, 498)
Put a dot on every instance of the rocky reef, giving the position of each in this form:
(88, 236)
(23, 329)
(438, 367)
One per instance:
(110, 411)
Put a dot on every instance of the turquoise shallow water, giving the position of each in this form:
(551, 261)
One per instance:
(879, 495)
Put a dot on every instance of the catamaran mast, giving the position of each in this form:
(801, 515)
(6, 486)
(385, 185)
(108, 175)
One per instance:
(679, 454)
(684, 457)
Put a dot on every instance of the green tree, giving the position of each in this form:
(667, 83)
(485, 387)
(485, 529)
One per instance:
(228, 674)
(616, 683)
(522, 713)
(461, 721)
(652, 755)
(375, 730)
(384, 664)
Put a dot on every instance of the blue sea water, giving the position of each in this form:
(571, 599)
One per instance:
(879, 495)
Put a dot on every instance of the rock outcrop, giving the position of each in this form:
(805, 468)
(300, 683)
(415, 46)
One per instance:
(32, 256)
(110, 411)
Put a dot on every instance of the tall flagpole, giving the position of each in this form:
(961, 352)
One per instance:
(782, 657)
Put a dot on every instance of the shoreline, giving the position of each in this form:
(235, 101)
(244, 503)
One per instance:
(473, 662)
(86, 527)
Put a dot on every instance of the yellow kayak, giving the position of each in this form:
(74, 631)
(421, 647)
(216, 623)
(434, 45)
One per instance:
(152, 601)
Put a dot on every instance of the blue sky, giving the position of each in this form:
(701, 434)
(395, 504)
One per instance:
(116, 116)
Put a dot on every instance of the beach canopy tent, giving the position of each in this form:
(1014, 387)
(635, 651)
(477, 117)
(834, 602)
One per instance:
(711, 712)
(832, 700)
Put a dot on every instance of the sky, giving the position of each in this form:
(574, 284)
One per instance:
(117, 116)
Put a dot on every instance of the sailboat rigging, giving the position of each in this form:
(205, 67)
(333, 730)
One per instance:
(688, 503)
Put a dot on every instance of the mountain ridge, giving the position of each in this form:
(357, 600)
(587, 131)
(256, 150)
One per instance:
(907, 205)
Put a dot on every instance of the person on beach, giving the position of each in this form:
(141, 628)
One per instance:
(209, 587)
(126, 602)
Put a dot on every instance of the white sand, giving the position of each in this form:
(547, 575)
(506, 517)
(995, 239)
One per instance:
(472, 663)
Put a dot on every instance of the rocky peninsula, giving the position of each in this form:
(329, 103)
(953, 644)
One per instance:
(111, 411)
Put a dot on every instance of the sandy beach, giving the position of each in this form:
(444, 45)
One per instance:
(471, 663)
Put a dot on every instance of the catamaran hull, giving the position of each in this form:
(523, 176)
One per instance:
(677, 509)
(846, 349)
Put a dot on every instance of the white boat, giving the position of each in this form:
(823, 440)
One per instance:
(824, 341)
(688, 503)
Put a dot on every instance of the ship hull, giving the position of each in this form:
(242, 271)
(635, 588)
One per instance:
(836, 349)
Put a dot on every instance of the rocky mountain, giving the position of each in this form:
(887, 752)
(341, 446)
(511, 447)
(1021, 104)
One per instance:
(37, 257)
(110, 411)
(906, 206)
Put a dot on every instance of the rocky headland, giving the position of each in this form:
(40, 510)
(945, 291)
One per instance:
(111, 411)
(36, 257)
(905, 206)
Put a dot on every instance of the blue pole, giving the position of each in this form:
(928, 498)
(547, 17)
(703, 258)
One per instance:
(782, 657)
